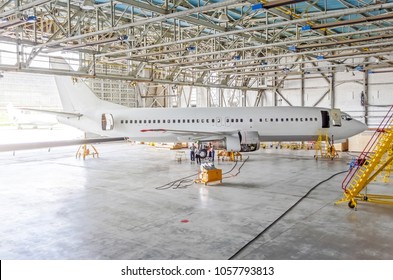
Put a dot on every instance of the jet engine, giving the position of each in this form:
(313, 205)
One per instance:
(245, 141)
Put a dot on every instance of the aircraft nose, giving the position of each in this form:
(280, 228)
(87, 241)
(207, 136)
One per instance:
(359, 126)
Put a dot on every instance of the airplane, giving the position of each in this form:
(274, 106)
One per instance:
(25, 118)
(240, 128)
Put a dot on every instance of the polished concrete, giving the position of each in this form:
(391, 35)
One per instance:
(54, 206)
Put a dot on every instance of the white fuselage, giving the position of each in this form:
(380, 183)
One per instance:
(271, 123)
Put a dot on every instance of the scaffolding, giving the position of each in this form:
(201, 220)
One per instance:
(375, 158)
(324, 148)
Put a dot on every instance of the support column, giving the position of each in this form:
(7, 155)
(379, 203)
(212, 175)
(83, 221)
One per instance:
(244, 98)
(365, 95)
(332, 91)
(302, 101)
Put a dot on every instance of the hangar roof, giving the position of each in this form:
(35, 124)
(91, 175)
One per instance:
(226, 44)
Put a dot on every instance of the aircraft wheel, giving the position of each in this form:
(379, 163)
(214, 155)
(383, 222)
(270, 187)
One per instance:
(203, 153)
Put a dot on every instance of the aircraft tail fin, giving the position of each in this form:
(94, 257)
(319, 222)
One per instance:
(75, 95)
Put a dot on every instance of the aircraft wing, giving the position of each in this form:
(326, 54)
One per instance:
(193, 135)
(56, 113)
(52, 144)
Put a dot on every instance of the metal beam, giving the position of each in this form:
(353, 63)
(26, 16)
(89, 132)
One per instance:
(318, 16)
(147, 21)
(24, 8)
(278, 3)
(120, 78)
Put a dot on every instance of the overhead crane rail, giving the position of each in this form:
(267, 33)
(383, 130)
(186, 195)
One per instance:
(376, 156)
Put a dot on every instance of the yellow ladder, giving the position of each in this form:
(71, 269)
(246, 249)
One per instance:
(324, 147)
(373, 160)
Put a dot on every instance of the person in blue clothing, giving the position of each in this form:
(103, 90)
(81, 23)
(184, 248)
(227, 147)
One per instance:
(211, 152)
(192, 152)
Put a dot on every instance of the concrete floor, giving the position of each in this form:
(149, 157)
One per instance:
(54, 206)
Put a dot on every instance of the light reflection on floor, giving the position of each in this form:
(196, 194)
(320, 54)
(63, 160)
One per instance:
(11, 134)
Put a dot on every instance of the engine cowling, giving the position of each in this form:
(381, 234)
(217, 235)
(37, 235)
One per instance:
(245, 141)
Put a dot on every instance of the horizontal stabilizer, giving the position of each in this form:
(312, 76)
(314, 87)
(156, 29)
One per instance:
(56, 113)
(52, 144)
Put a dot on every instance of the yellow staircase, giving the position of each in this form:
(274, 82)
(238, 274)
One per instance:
(376, 156)
(324, 148)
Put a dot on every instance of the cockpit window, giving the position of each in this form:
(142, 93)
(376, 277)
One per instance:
(346, 117)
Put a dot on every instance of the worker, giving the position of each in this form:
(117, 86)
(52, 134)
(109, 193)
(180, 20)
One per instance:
(192, 152)
(198, 155)
(211, 153)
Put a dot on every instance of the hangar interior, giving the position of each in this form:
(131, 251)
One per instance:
(192, 53)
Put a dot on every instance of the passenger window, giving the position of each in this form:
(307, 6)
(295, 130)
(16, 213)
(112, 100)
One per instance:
(169, 121)
(126, 121)
(149, 121)
(158, 121)
(163, 121)
(271, 120)
(140, 121)
(306, 119)
(301, 119)
(174, 121)
(287, 120)
(121, 121)
(260, 120)
(266, 120)
(197, 120)
(130, 121)
(232, 120)
(178, 121)
(227, 120)
(202, 120)
(154, 121)
(184, 121)
(188, 120)
(241, 120)
(212, 120)
(316, 119)
(207, 120)
(193, 121)
(291, 119)
(282, 119)
(297, 119)
(276, 120)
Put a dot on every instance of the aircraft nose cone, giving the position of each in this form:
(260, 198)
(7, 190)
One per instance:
(360, 127)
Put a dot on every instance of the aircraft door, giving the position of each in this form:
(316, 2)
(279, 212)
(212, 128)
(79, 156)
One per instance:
(336, 117)
(325, 119)
(107, 122)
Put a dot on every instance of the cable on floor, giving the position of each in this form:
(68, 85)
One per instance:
(238, 170)
(284, 214)
(185, 182)
(177, 184)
